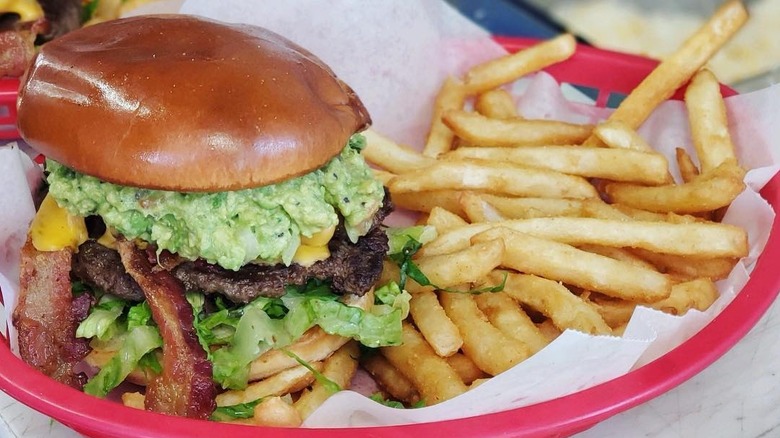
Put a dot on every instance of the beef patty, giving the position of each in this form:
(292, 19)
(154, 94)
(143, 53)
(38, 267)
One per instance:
(352, 268)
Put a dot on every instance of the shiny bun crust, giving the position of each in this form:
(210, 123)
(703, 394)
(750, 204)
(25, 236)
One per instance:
(181, 103)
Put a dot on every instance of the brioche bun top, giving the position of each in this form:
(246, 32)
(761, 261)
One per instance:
(175, 102)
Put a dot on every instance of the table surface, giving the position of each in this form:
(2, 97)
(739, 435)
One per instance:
(737, 396)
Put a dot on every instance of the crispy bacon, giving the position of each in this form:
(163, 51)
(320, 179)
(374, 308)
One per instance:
(17, 46)
(44, 317)
(185, 386)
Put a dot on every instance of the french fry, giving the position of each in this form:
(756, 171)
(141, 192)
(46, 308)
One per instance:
(709, 191)
(434, 325)
(433, 377)
(552, 299)
(622, 254)
(451, 96)
(314, 345)
(689, 267)
(651, 216)
(688, 170)
(391, 156)
(496, 104)
(338, 368)
(616, 134)
(478, 130)
(466, 368)
(560, 262)
(615, 312)
(500, 178)
(529, 208)
(275, 412)
(383, 175)
(696, 294)
(99, 357)
(649, 168)
(290, 380)
(701, 239)
(708, 121)
(494, 73)
(133, 400)
(464, 266)
(677, 68)
(444, 220)
(389, 378)
(478, 210)
(506, 315)
(490, 349)
(549, 330)
(425, 201)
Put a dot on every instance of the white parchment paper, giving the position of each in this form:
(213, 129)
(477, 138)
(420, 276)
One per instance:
(395, 54)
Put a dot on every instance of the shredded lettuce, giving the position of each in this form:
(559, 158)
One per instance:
(255, 334)
(377, 397)
(233, 412)
(266, 323)
(138, 342)
(398, 237)
(102, 321)
(136, 332)
(322, 379)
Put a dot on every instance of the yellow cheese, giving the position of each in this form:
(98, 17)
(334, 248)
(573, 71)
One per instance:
(314, 248)
(53, 228)
(319, 239)
(28, 10)
(307, 255)
(107, 239)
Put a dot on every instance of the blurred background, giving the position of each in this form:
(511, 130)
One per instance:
(652, 28)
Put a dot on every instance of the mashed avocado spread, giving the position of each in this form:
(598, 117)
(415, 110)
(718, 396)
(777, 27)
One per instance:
(230, 229)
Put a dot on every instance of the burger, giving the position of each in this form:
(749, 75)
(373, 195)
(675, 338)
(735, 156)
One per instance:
(206, 203)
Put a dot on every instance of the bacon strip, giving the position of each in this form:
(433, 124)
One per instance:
(17, 46)
(185, 387)
(44, 316)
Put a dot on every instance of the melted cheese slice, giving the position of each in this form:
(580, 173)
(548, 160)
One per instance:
(307, 255)
(28, 10)
(107, 239)
(53, 228)
(314, 248)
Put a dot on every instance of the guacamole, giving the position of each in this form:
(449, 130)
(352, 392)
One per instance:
(232, 228)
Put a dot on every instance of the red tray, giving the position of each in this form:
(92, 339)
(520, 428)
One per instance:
(607, 72)
(8, 92)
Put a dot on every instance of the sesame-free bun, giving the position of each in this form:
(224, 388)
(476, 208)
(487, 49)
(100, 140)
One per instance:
(175, 102)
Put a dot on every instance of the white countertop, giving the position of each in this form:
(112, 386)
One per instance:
(737, 396)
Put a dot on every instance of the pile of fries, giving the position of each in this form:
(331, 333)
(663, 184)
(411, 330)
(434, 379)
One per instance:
(580, 223)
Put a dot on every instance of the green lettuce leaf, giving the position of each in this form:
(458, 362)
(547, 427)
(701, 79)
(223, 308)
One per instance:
(263, 325)
(103, 319)
(138, 342)
(233, 412)
(398, 237)
(255, 334)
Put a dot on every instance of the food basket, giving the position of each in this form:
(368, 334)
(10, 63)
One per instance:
(606, 77)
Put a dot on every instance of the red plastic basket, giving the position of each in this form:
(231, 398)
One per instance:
(8, 90)
(609, 73)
